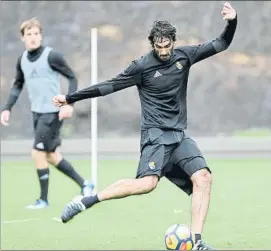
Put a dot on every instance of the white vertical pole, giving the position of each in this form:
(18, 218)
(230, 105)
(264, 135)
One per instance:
(94, 110)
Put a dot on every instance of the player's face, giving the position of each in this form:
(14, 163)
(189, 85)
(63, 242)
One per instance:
(163, 47)
(32, 38)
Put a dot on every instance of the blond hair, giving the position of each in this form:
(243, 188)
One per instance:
(28, 24)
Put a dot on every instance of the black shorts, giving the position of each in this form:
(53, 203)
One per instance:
(177, 161)
(47, 131)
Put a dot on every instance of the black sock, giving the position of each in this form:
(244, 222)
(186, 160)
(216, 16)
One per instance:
(197, 237)
(44, 183)
(65, 167)
(90, 201)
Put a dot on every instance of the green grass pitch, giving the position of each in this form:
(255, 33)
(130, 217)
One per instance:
(239, 216)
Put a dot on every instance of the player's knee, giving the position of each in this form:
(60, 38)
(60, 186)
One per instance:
(149, 183)
(40, 158)
(38, 155)
(202, 178)
(54, 158)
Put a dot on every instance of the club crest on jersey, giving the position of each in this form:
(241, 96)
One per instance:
(179, 65)
(152, 165)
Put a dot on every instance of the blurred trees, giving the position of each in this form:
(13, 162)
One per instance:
(228, 92)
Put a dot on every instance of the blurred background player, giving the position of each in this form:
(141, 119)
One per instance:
(39, 68)
(161, 78)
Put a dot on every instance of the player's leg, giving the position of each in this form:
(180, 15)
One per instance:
(56, 159)
(191, 173)
(42, 168)
(120, 189)
(202, 181)
(148, 173)
(153, 157)
(41, 163)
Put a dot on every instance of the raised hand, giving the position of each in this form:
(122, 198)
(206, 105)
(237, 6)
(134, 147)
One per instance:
(228, 12)
(5, 116)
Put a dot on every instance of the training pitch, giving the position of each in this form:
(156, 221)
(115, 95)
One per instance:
(239, 216)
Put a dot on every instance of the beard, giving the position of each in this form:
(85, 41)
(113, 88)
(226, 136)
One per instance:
(164, 57)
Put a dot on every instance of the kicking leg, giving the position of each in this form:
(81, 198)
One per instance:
(152, 160)
(57, 160)
(120, 189)
(127, 187)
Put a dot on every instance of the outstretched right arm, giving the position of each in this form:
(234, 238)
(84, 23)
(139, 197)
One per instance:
(131, 76)
(16, 88)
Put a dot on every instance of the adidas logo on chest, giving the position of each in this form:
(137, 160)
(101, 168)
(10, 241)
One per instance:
(157, 74)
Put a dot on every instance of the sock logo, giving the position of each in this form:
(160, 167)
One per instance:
(44, 177)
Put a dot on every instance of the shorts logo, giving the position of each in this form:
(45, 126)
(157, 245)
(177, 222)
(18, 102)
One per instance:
(152, 165)
(179, 65)
(40, 145)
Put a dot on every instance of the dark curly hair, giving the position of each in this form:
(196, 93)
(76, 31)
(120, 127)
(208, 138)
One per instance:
(162, 29)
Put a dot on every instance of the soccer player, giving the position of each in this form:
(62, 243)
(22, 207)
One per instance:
(161, 78)
(39, 68)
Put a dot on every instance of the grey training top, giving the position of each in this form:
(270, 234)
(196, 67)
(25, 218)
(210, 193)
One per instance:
(42, 82)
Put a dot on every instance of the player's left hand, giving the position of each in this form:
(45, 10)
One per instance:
(65, 112)
(228, 13)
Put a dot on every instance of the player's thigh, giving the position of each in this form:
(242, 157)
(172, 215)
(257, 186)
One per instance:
(188, 157)
(56, 128)
(47, 133)
(178, 177)
(154, 154)
(35, 117)
(186, 160)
